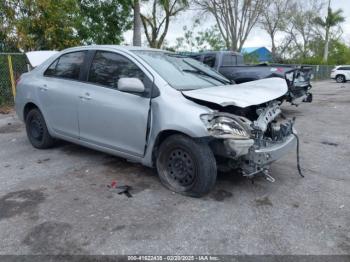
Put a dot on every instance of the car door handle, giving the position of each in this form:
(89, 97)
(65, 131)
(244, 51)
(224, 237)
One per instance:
(86, 96)
(44, 88)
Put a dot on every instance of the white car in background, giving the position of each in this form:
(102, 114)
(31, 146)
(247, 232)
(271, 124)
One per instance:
(341, 73)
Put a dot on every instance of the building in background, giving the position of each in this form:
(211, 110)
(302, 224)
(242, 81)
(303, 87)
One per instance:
(262, 54)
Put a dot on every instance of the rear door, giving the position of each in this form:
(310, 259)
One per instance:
(108, 117)
(59, 90)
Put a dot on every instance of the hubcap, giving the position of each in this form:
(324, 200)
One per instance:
(181, 167)
(36, 129)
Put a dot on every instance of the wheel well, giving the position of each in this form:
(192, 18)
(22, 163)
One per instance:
(160, 139)
(340, 75)
(27, 108)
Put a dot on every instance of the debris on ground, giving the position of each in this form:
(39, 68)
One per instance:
(263, 201)
(120, 188)
(329, 143)
(43, 160)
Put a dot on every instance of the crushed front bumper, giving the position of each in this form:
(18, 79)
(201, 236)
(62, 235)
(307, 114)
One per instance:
(259, 159)
(266, 155)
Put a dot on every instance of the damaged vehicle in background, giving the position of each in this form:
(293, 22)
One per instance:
(231, 65)
(159, 109)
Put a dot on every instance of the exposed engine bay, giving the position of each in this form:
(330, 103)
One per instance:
(250, 139)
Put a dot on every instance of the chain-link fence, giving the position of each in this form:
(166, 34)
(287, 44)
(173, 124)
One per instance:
(320, 72)
(12, 65)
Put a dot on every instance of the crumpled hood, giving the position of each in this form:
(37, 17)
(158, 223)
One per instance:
(242, 95)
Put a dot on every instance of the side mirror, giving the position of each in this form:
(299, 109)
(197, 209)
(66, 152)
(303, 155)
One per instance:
(134, 85)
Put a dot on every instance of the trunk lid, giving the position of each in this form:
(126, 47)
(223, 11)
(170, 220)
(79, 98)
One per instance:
(36, 58)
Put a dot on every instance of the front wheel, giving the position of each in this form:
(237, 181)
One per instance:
(186, 166)
(340, 79)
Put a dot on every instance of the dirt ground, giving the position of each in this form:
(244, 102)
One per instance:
(57, 201)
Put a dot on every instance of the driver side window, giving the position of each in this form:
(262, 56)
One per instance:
(107, 68)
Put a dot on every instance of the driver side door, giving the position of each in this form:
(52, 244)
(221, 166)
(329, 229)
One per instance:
(108, 117)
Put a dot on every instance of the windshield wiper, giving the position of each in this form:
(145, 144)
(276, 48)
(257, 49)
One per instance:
(202, 72)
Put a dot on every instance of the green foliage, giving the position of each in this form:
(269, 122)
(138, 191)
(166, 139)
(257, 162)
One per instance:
(209, 39)
(339, 53)
(332, 19)
(58, 24)
(252, 58)
(103, 22)
(43, 24)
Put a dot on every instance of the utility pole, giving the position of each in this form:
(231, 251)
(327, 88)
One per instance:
(137, 24)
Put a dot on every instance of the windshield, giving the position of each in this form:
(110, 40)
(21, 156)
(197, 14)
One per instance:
(182, 73)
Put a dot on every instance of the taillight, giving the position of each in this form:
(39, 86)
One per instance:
(17, 80)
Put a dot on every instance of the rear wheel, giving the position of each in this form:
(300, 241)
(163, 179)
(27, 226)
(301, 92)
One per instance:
(340, 79)
(186, 166)
(37, 132)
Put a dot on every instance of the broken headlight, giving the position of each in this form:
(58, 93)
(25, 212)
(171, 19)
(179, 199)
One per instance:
(225, 127)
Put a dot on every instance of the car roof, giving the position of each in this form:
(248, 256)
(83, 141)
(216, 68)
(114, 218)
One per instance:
(116, 47)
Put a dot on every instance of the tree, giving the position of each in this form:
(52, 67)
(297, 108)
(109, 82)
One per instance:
(7, 40)
(332, 19)
(58, 24)
(156, 23)
(211, 39)
(192, 40)
(137, 24)
(103, 22)
(235, 18)
(42, 24)
(274, 19)
(300, 29)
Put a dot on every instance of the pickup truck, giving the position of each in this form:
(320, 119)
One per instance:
(231, 65)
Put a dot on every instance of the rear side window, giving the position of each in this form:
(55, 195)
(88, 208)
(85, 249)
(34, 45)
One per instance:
(67, 66)
(209, 60)
(107, 68)
(229, 60)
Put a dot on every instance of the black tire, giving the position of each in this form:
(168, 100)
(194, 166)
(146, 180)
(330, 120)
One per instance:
(37, 132)
(186, 166)
(340, 79)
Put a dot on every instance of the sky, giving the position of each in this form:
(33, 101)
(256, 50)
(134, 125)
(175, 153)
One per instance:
(256, 38)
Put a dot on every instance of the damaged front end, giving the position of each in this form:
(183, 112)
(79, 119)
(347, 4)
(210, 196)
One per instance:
(251, 145)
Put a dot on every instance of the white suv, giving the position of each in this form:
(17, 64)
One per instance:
(341, 73)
